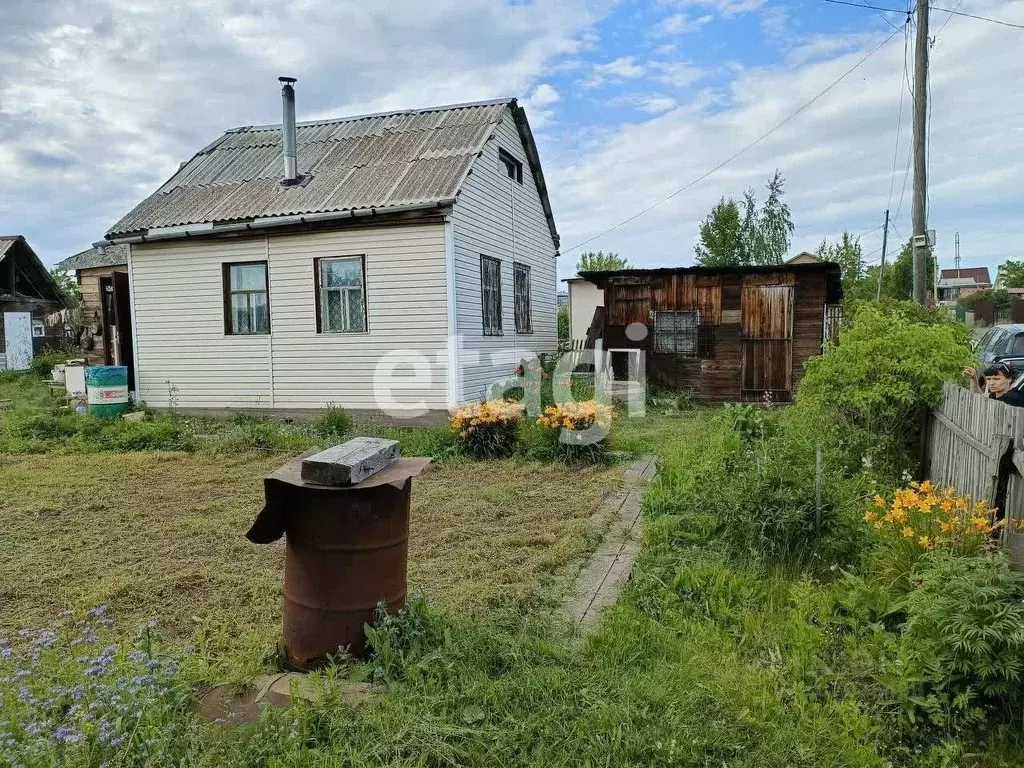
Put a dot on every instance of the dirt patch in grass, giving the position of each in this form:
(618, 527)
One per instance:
(161, 536)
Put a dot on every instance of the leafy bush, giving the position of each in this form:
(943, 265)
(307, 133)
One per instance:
(750, 422)
(42, 365)
(878, 383)
(578, 430)
(398, 640)
(334, 422)
(922, 518)
(488, 429)
(964, 633)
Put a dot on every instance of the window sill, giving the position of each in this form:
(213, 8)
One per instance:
(493, 334)
(343, 333)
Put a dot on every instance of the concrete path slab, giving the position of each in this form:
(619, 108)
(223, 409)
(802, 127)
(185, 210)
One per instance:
(601, 579)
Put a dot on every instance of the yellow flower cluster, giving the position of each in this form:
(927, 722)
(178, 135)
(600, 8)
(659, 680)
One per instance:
(470, 418)
(933, 518)
(573, 415)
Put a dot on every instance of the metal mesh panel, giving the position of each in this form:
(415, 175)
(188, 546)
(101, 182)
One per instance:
(676, 333)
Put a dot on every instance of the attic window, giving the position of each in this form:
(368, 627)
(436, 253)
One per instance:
(513, 168)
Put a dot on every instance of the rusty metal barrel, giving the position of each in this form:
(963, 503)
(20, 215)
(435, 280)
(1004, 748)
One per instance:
(346, 551)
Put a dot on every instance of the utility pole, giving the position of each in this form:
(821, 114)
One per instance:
(919, 241)
(956, 251)
(885, 242)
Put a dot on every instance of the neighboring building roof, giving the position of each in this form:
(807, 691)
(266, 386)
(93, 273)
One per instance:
(804, 258)
(978, 274)
(30, 274)
(91, 258)
(387, 161)
(833, 291)
(958, 282)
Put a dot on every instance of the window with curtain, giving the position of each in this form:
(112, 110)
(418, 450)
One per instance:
(246, 299)
(490, 295)
(524, 321)
(341, 295)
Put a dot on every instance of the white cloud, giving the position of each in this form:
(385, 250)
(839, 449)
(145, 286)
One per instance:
(656, 104)
(622, 68)
(680, 23)
(539, 104)
(837, 155)
(100, 100)
(679, 74)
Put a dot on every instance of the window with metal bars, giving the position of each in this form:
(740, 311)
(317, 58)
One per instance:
(676, 333)
(341, 298)
(524, 320)
(490, 295)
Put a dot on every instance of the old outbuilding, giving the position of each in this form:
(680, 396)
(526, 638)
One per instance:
(29, 300)
(726, 334)
(103, 327)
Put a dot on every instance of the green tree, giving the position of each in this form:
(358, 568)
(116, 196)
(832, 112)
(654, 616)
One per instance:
(1010, 274)
(599, 261)
(736, 234)
(770, 237)
(846, 252)
(68, 288)
(563, 323)
(721, 237)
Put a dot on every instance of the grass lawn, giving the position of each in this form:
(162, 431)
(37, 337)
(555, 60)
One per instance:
(161, 536)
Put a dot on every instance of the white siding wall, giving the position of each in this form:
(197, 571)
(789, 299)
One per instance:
(483, 224)
(180, 321)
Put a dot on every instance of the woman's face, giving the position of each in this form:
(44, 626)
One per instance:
(998, 384)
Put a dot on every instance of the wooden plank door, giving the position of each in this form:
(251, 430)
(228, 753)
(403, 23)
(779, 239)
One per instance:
(766, 317)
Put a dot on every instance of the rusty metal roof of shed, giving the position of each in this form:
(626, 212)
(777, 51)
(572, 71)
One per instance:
(383, 161)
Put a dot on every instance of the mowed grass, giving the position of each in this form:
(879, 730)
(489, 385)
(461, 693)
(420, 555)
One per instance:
(162, 536)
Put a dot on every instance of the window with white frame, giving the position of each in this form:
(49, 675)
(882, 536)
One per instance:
(490, 295)
(675, 333)
(524, 321)
(341, 295)
(38, 329)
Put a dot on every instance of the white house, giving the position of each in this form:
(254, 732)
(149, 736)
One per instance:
(584, 299)
(399, 262)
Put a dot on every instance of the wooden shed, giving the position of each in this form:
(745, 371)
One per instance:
(727, 334)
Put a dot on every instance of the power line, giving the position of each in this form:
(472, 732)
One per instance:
(899, 114)
(742, 151)
(948, 19)
(953, 12)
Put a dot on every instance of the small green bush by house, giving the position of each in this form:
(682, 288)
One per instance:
(489, 429)
(876, 386)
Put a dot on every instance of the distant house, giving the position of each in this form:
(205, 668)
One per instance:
(726, 334)
(804, 258)
(295, 268)
(584, 299)
(29, 297)
(105, 328)
(957, 283)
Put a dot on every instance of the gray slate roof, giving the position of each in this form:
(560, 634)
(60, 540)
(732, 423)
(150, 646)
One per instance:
(30, 273)
(372, 161)
(110, 256)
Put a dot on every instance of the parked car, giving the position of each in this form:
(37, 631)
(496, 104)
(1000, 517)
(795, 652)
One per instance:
(1003, 343)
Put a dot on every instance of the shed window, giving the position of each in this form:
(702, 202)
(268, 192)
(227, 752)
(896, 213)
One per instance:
(675, 333)
(38, 329)
(341, 295)
(490, 295)
(513, 168)
(246, 299)
(524, 320)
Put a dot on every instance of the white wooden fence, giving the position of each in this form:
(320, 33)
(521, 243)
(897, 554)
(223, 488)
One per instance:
(976, 445)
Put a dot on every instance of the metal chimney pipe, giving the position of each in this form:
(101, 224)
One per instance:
(291, 170)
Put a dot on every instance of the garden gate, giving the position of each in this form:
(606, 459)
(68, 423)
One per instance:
(976, 445)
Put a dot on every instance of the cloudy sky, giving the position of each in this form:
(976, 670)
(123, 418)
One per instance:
(100, 100)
